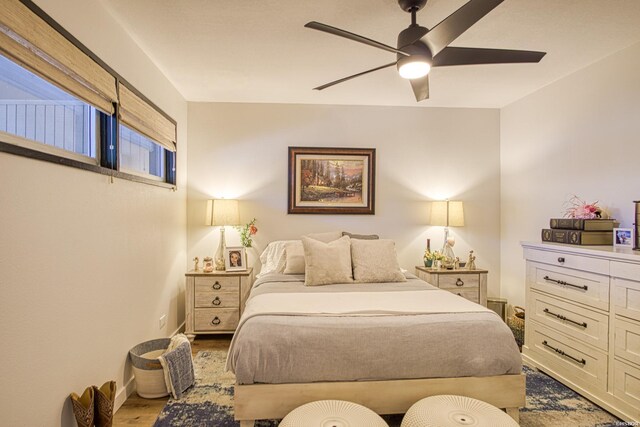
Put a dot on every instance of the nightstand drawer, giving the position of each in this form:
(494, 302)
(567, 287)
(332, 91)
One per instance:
(472, 294)
(458, 281)
(218, 299)
(216, 319)
(223, 284)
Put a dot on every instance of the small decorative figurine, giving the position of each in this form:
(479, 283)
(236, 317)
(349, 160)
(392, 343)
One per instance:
(456, 263)
(196, 261)
(208, 265)
(471, 264)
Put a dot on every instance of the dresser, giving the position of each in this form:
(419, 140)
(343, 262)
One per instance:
(469, 284)
(215, 301)
(582, 323)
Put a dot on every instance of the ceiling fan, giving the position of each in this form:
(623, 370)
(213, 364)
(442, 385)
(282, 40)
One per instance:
(419, 48)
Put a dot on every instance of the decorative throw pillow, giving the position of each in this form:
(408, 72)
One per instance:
(375, 261)
(294, 252)
(327, 237)
(361, 236)
(327, 263)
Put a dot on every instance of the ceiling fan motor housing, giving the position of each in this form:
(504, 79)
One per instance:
(409, 42)
(411, 5)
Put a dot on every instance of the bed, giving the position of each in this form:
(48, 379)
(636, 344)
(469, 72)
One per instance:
(382, 345)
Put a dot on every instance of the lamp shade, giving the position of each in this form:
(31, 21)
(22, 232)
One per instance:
(222, 212)
(447, 213)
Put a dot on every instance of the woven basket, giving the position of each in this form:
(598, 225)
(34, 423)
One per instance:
(516, 324)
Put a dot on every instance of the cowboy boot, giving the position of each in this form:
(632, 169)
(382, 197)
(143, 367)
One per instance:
(83, 407)
(105, 396)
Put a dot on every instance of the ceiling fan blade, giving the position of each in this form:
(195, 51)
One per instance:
(470, 55)
(353, 76)
(457, 23)
(351, 36)
(420, 88)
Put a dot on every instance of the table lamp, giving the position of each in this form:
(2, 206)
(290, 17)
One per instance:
(447, 213)
(221, 212)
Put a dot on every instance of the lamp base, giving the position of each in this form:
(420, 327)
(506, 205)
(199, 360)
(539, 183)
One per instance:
(219, 256)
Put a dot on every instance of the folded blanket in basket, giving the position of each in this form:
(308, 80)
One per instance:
(178, 366)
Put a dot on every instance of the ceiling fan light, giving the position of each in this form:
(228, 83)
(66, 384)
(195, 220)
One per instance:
(414, 66)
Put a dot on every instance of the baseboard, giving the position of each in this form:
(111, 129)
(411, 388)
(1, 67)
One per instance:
(124, 394)
(130, 386)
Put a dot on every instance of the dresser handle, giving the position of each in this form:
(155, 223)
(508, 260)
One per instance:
(215, 321)
(562, 353)
(459, 282)
(561, 260)
(563, 283)
(216, 301)
(561, 317)
(217, 285)
(459, 294)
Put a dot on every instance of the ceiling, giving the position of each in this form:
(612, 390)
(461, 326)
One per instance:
(259, 51)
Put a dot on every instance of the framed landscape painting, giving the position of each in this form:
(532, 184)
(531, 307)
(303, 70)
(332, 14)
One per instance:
(332, 180)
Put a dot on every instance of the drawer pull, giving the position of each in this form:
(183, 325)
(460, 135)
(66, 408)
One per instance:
(459, 282)
(216, 285)
(563, 283)
(562, 353)
(216, 301)
(561, 260)
(215, 321)
(561, 317)
(459, 294)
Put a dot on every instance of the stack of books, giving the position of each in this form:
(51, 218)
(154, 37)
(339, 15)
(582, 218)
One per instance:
(575, 231)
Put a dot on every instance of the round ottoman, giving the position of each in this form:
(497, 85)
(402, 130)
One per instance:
(332, 413)
(455, 411)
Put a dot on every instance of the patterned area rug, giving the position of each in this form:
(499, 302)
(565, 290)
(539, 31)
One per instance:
(210, 402)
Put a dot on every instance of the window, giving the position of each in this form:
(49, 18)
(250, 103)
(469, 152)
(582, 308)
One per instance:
(140, 155)
(35, 110)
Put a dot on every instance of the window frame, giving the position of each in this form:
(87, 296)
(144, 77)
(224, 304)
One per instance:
(108, 144)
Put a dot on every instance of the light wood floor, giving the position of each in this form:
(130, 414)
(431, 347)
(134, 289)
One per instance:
(137, 411)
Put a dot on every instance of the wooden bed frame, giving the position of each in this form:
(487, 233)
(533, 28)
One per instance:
(274, 401)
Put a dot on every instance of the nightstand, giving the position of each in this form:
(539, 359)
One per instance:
(469, 284)
(215, 301)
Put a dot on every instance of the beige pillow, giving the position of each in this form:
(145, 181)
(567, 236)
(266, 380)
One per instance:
(375, 261)
(327, 263)
(294, 252)
(327, 237)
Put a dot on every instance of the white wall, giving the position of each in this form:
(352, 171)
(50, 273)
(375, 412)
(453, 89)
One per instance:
(579, 136)
(86, 267)
(240, 151)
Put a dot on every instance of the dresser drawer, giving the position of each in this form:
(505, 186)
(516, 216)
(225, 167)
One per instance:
(219, 283)
(626, 386)
(470, 294)
(580, 323)
(217, 299)
(627, 340)
(216, 319)
(560, 259)
(626, 297)
(573, 360)
(579, 286)
(625, 270)
(458, 281)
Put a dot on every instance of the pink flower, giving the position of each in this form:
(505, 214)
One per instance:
(253, 229)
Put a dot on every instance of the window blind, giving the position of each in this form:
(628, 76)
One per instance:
(29, 41)
(139, 115)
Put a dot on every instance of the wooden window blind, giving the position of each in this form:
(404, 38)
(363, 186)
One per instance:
(139, 115)
(28, 40)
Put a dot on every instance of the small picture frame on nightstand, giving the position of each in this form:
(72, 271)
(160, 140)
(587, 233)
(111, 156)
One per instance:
(235, 258)
(623, 237)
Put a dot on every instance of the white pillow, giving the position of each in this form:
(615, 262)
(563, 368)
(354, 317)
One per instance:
(294, 254)
(273, 257)
(375, 261)
(327, 237)
(327, 263)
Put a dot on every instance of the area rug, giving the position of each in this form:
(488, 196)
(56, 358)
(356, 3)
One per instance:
(209, 403)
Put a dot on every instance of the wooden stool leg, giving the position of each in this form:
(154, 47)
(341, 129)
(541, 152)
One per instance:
(514, 413)
(247, 423)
